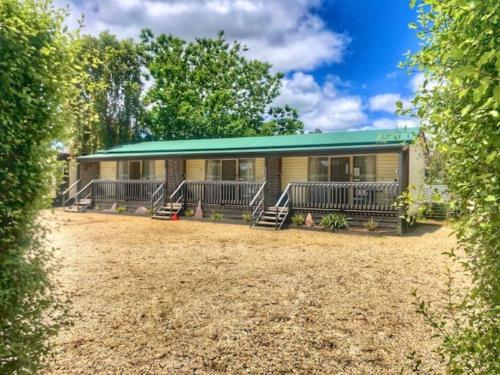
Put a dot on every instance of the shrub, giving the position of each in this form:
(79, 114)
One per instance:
(298, 219)
(121, 209)
(371, 225)
(335, 221)
(458, 105)
(36, 87)
(189, 212)
(246, 217)
(216, 216)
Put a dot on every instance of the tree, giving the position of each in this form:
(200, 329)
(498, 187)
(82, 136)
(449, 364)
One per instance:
(110, 90)
(37, 69)
(205, 88)
(460, 57)
(283, 121)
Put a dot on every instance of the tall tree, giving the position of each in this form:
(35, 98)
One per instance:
(111, 90)
(205, 88)
(37, 70)
(460, 56)
(282, 121)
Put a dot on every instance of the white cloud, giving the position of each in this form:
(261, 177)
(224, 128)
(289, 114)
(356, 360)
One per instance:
(393, 123)
(418, 80)
(384, 102)
(322, 107)
(285, 33)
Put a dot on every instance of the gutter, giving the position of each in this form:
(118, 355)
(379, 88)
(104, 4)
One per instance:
(289, 151)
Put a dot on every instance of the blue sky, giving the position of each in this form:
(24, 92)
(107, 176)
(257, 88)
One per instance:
(339, 56)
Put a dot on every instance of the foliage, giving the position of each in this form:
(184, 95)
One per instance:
(298, 219)
(246, 217)
(283, 121)
(110, 91)
(121, 209)
(459, 104)
(371, 225)
(37, 70)
(207, 88)
(334, 221)
(189, 212)
(409, 203)
(216, 216)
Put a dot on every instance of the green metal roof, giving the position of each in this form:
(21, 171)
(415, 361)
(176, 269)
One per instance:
(363, 139)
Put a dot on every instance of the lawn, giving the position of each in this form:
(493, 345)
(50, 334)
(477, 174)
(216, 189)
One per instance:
(193, 297)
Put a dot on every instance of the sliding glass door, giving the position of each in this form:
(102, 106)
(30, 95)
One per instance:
(230, 170)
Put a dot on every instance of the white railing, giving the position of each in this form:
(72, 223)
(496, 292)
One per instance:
(64, 200)
(220, 192)
(125, 190)
(348, 196)
(257, 204)
(157, 198)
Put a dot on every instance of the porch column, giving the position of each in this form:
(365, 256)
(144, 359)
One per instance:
(273, 177)
(175, 173)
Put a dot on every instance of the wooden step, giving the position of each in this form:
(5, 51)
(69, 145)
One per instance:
(164, 211)
(174, 205)
(268, 223)
(159, 217)
(84, 202)
(266, 217)
(272, 213)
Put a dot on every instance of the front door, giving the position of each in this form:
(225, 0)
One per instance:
(341, 169)
(229, 174)
(135, 170)
(341, 172)
(228, 170)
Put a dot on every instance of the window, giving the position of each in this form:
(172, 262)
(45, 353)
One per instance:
(214, 170)
(123, 170)
(318, 169)
(246, 170)
(364, 168)
(148, 170)
(138, 169)
(338, 168)
(231, 169)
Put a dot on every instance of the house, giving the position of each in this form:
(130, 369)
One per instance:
(357, 172)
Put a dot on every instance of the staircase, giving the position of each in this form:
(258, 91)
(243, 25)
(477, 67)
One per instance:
(272, 217)
(167, 211)
(79, 206)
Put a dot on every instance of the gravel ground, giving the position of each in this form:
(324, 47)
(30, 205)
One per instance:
(202, 298)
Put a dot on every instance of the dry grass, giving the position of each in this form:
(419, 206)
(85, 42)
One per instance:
(189, 297)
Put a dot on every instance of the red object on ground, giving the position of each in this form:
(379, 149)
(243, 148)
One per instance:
(174, 217)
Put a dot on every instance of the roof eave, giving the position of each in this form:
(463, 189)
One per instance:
(248, 152)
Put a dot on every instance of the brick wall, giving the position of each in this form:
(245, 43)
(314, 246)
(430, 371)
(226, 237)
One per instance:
(175, 173)
(273, 178)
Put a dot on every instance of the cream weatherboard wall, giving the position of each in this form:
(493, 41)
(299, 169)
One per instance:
(417, 166)
(386, 166)
(260, 169)
(159, 169)
(195, 169)
(293, 169)
(107, 170)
